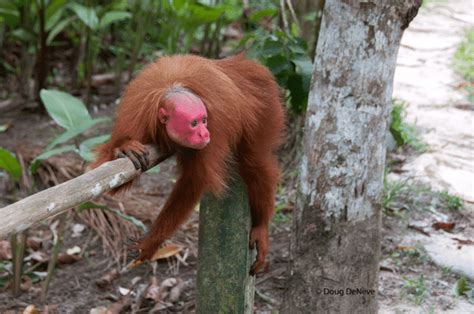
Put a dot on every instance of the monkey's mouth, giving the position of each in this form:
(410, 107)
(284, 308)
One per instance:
(201, 145)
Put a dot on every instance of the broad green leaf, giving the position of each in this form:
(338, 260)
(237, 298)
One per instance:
(256, 16)
(135, 221)
(58, 28)
(65, 109)
(3, 127)
(73, 132)
(9, 12)
(86, 148)
(53, 20)
(52, 9)
(112, 17)
(272, 48)
(48, 153)
(299, 96)
(278, 64)
(201, 14)
(10, 164)
(86, 14)
(461, 286)
(304, 67)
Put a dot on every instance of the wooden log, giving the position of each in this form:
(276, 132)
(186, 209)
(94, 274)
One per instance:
(53, 201)
(223, 281)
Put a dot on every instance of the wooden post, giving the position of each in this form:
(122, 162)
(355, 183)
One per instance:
(223, 281)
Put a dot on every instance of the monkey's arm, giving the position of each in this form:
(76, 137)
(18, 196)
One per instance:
(184, 197)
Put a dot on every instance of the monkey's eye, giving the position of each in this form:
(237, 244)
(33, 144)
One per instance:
(204, 120)
(194, 123)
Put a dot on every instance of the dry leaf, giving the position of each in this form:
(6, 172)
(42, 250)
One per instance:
(34, 243)
(120, 306)
(107, 279)
(167, 251)
(162, 253)
(39, 257)
(446, 226)
(405, 248)
(464, 241)
(64, 258)
(5, 250)
(419, 229)
(31, 309)
(98, 310)
(153, 292)
(74, 250)
(175, 292)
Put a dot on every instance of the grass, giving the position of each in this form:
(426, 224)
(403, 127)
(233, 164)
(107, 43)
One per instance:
(464, 62)
(402, 194)
(452, 202)
(403, 133)
(415, 288)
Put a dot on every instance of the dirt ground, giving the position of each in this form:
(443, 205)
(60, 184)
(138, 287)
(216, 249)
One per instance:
(411, 278)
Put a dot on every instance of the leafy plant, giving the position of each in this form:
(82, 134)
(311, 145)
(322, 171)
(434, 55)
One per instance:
(402, 132)
(416, 288)
(464, 62)
(453, 202)
(287, 57)
(71, 114)
(10, 164)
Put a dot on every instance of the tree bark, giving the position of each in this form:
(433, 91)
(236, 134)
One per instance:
(336, 243)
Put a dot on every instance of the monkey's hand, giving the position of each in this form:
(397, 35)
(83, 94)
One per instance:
(136, 152)
(259, 238)
(147, 248)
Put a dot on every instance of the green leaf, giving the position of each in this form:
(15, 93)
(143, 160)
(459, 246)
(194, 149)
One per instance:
(201, 14)
(256, 16)
(461, 287)
(9, 12)
(278, 64)
(48, 153)
(155, 169)
(135, 221)
(272, 48)
(58, 29)
(3, 127)
(86, 148)
(304, 67)
(64, 109)
(86, 14)
(53, 7)
(73, 132)
(113, 17)
(10, 164)
(299, 96)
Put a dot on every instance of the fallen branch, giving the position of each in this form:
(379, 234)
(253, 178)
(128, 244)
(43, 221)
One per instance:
(55, 200)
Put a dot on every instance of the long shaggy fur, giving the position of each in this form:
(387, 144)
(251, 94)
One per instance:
(245, 120)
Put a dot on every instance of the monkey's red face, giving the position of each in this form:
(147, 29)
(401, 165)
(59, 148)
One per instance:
(185, 119)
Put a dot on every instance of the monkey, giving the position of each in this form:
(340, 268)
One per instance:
(213, 115)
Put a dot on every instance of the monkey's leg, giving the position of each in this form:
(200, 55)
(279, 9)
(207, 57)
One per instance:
(261, 174)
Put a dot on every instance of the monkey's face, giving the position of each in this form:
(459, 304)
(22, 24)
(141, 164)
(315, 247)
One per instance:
(185, 119)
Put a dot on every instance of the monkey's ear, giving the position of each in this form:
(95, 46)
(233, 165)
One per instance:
(163, 115)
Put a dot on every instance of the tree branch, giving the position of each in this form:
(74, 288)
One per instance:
(55, 200)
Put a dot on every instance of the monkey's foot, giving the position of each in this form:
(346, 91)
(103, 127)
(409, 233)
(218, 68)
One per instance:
(259, 239)
(136, 152)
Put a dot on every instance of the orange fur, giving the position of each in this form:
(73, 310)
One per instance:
(246, 123)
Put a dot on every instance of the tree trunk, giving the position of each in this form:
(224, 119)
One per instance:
(336, 244)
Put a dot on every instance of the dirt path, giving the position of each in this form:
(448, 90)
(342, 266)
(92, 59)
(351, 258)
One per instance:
(425, 79)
